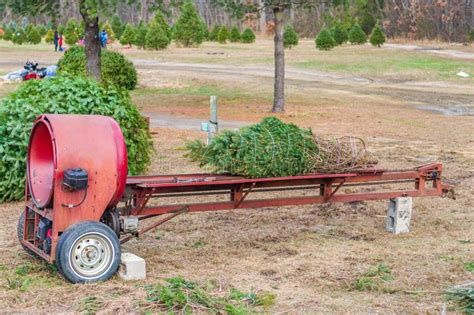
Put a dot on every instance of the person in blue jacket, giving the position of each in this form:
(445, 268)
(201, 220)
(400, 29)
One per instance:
(103, 39)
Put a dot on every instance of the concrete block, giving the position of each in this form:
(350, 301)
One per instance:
(399, 215)
(132, 267)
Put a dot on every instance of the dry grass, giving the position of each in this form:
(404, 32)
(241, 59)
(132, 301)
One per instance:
(309, 256)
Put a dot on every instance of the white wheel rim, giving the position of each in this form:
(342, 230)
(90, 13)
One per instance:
(91, 255)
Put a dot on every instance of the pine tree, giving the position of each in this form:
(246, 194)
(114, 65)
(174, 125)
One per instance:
(140, 37)
(247, 36)
(160, 20)
(357, 35)
(109, 31)
(19, 36)
(49, 37)
(339, 33)
(189, 29)
(71, 32)
(42, 30)
(61, 29)
(117, 26)
(34, 36)
(128, 35)
(234, 36)
(290, 37)
(223, 35)
(7, 35)
(377, 38)
(214, 33)
(156, 37)
(325, 41)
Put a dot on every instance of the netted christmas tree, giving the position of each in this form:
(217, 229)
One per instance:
(234, 35)
(339, 33)
(357, 35)
(290, 37)
(273, 148)
(325, 41)
(377, 38)
(34, 37)
(223, 35)
(189, 29)
(128, 35)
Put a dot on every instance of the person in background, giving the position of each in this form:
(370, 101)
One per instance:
(60, 42)
(56, 40)
(103, 39)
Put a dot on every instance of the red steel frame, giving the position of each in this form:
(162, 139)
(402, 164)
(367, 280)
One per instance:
(140, 190)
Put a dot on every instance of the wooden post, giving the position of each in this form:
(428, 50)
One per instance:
(213, 124)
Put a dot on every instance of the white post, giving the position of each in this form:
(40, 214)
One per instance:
(213, 123)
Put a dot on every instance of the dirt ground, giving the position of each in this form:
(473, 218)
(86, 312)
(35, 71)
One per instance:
(310, 257)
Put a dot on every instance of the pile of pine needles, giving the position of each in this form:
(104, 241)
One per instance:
(273, 148)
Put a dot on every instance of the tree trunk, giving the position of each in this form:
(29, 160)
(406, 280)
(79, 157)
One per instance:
(279, 88)
(91, 42)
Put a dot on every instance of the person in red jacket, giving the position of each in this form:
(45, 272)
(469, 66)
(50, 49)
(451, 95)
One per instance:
(60, 42)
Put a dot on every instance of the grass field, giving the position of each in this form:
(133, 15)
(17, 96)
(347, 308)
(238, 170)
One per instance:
(309, 259)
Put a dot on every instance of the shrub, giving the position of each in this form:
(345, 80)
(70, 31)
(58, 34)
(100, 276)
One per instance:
(339, 33)
(34, 36)
(128, 35)
(7, 34)
(234, 36)
(189, 29)
(63, 95)
(116, 69)
(247, 36)
(49, 38)
(71, 32)
(19, 36)
(223, 35)
(214, 33)
(377, 38)
(117, 26)
(325, 41)
(156, 37)
(290, 38)
(357, 35)
(140, 36)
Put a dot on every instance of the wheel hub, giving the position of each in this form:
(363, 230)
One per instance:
(91, 255)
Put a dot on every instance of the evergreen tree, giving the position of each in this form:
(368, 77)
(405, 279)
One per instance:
(28, 28)
(160, 20)
(189, 27)
(110, 32)
(377, 38)
(156, 37)
(1, 33)
(290, 37)
(7, 35)
(128, 35)
(117, 26)
(357, 35)
(234, 36)
(61, 29)
(19, 36)
(140, 36)
(206, 33)
(325, 41)
(34, 36)
(42, 30)
(339, 33)
(49, 37)
(223, 35)
(214, 33)
(71, 32)
(247, 36)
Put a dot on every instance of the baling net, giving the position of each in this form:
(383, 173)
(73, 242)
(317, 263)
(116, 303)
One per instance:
(273, 148)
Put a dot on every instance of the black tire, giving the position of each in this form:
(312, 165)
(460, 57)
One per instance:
(88, 251)
(19, 231)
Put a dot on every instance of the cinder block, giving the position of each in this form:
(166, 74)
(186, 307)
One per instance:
(132, 267)
(399, 215)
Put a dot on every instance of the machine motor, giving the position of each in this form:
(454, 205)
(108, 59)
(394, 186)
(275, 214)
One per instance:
(75, 179)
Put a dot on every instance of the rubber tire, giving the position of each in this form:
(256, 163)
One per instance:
(19, 231)
(67, 240)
